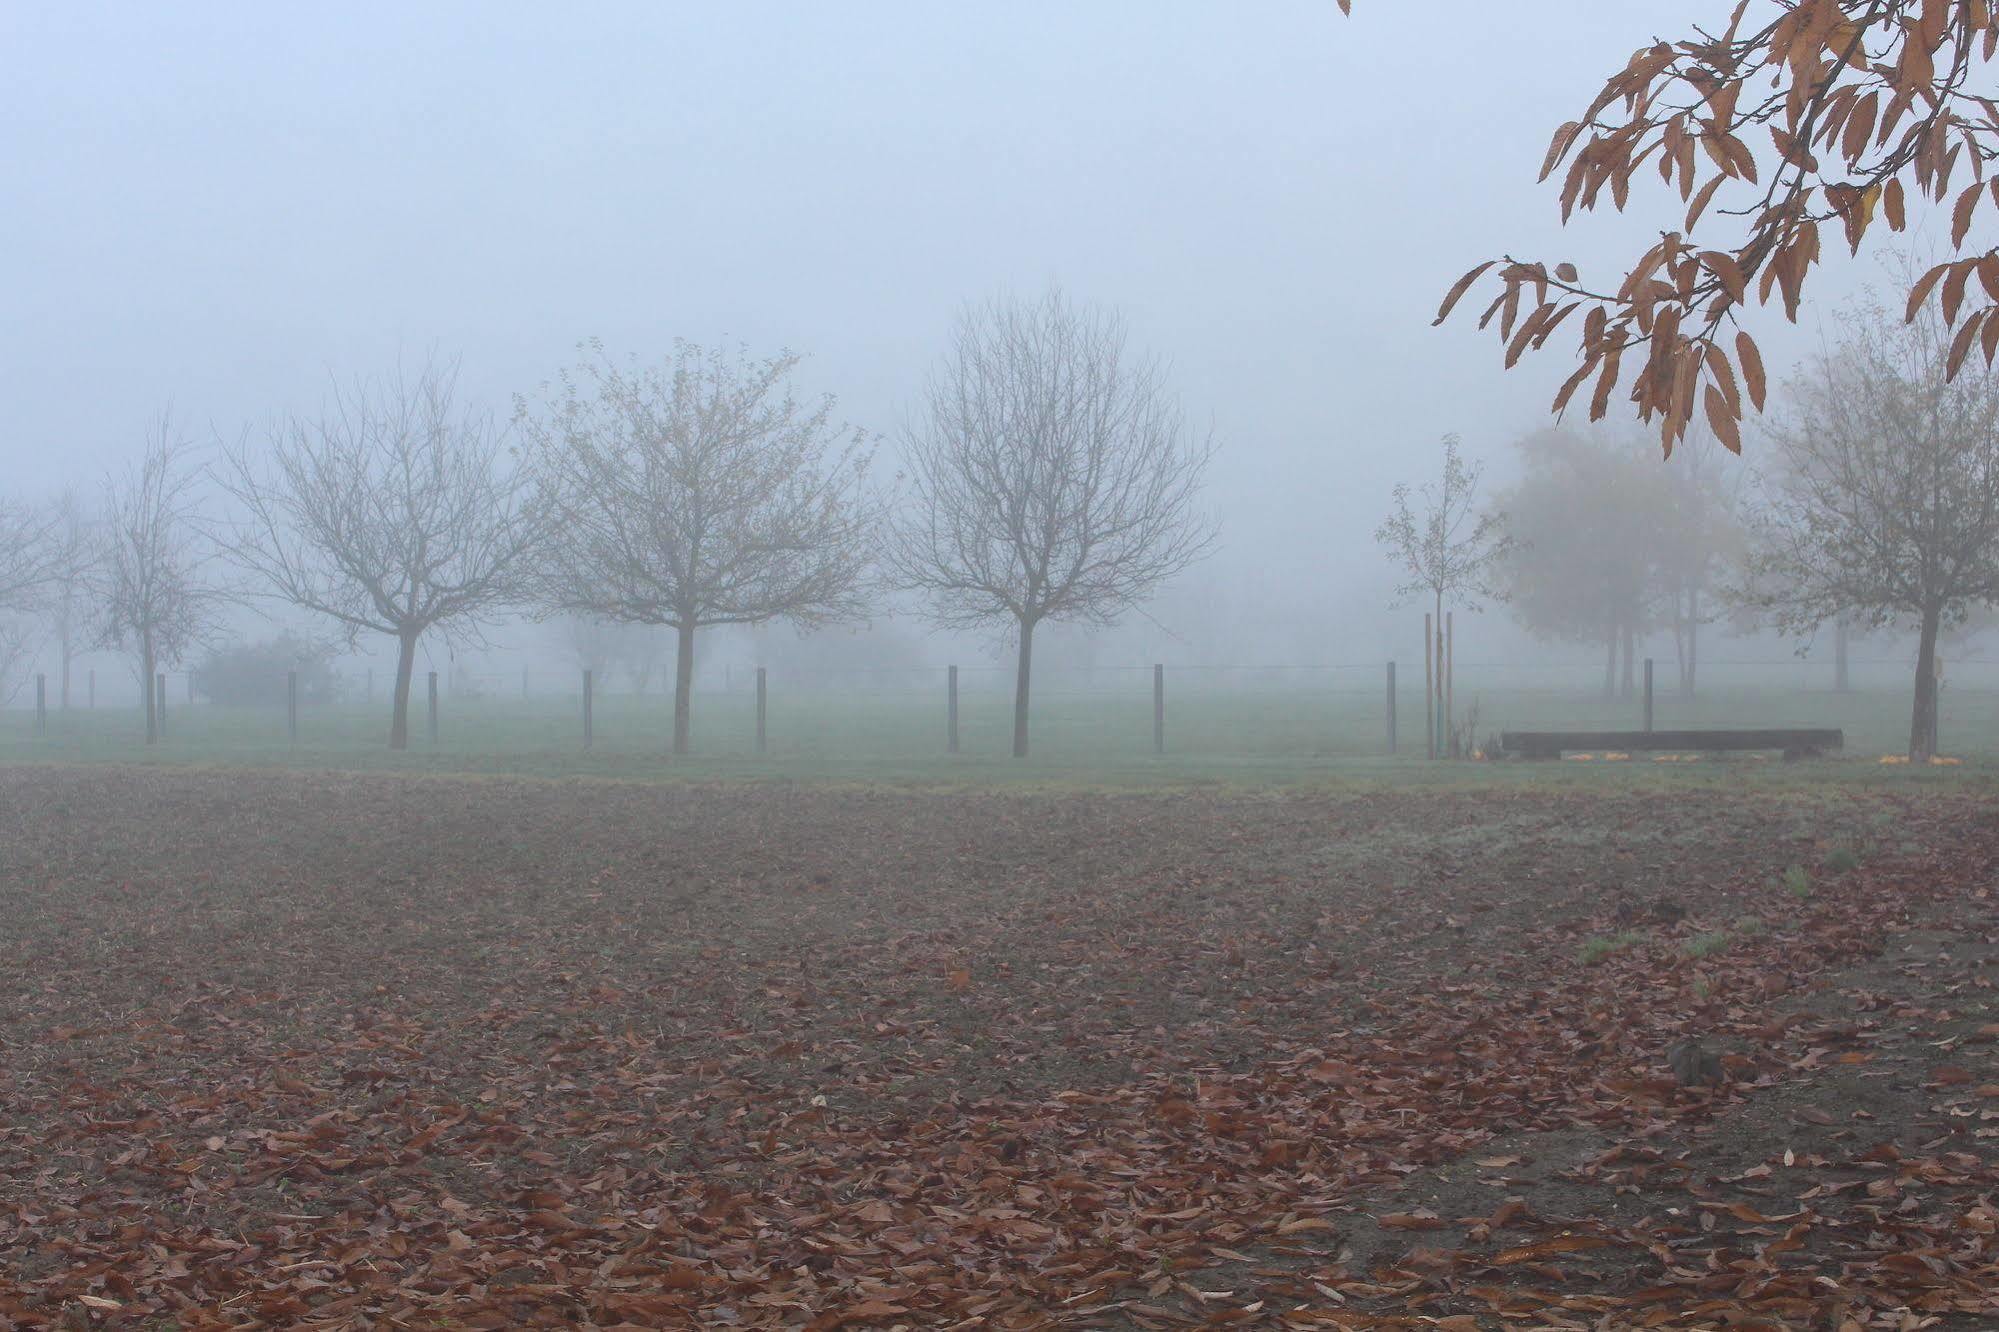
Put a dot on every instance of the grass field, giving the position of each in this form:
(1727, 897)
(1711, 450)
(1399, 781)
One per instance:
(366, 1049)
(1270, 735)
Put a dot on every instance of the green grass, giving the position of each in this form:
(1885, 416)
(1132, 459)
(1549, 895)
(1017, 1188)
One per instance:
(1595, 950)
(1251, 737)
(1842, 860)
(1798, 882)
(1708, 944)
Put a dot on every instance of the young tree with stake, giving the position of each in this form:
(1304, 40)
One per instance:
(1052, 478)
(1447, 550)
(396, 512)
(699, 492)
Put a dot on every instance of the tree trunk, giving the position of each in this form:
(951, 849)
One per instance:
(1692, 671)
(683, 684)
(1682, 627)
(68, 654)
(1020, 678)
(1923, 722)
(1610, 665)
(1842, 683)
(399, 697)
(146, 686)
(1630, 683)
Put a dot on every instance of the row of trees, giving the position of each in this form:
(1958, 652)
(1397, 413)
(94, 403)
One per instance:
(1875, 506)
(1050, 477)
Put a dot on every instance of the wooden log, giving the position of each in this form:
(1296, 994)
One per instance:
(1552, 744)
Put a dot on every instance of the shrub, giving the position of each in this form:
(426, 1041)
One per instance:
(1797, 882)
(252, 675)
(1841, 860)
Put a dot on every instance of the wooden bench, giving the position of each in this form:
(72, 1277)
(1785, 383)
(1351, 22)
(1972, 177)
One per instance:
(1794, 741)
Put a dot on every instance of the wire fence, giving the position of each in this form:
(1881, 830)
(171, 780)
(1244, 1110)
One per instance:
(1295, 712)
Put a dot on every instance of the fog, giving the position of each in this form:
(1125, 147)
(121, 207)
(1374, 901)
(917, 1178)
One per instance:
(222, 209)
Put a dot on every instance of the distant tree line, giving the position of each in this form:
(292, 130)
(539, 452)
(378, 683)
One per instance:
(1052, 478)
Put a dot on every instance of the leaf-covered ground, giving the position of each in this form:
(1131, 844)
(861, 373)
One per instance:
(297, 1050)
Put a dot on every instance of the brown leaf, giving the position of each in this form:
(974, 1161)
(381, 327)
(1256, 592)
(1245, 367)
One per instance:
(1411, 1221)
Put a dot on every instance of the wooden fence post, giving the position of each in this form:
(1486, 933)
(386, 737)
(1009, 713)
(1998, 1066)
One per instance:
(1429, 692)
(1450, 681)
(951, 710)
(1159, 707)
(1391, 707)
(433, 709)
(41, 704)
(1648, 693)
(762, 698)
(291, 706)
(588, 685)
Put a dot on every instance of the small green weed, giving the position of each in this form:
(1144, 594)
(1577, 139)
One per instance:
(1707, 945)
(1751, 926)
(1797, 882)
(1596, 949)
(1842, 860)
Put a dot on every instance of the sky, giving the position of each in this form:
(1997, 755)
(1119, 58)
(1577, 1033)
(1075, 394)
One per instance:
(217, 209)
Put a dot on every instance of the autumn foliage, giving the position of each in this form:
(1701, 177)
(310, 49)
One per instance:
(1797, 119)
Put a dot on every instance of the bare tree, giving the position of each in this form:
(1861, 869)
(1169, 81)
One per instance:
(395, 512)
(1052, 478)
(25, 554)
(155, 599)
(1884, 503)
(700, 492)
(1588, 520)
(70, 596)
(25, 564)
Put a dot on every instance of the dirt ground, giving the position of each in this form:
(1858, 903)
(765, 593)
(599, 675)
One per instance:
(307, 1050)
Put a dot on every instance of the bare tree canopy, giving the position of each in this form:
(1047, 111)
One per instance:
(700, 492)
(1052, 478)
(1873, 110)
(156, 601)
(396, 511)
(1451, 547)
(1883, 500)
(26, 553)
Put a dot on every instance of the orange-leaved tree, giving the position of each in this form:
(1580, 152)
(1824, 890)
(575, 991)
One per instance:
(1798, 116)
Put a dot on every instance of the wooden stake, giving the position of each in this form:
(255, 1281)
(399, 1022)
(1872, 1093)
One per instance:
(1450, 680)
(1159, 707)
(1391, 707)
(1429, 692)
(951, 710)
